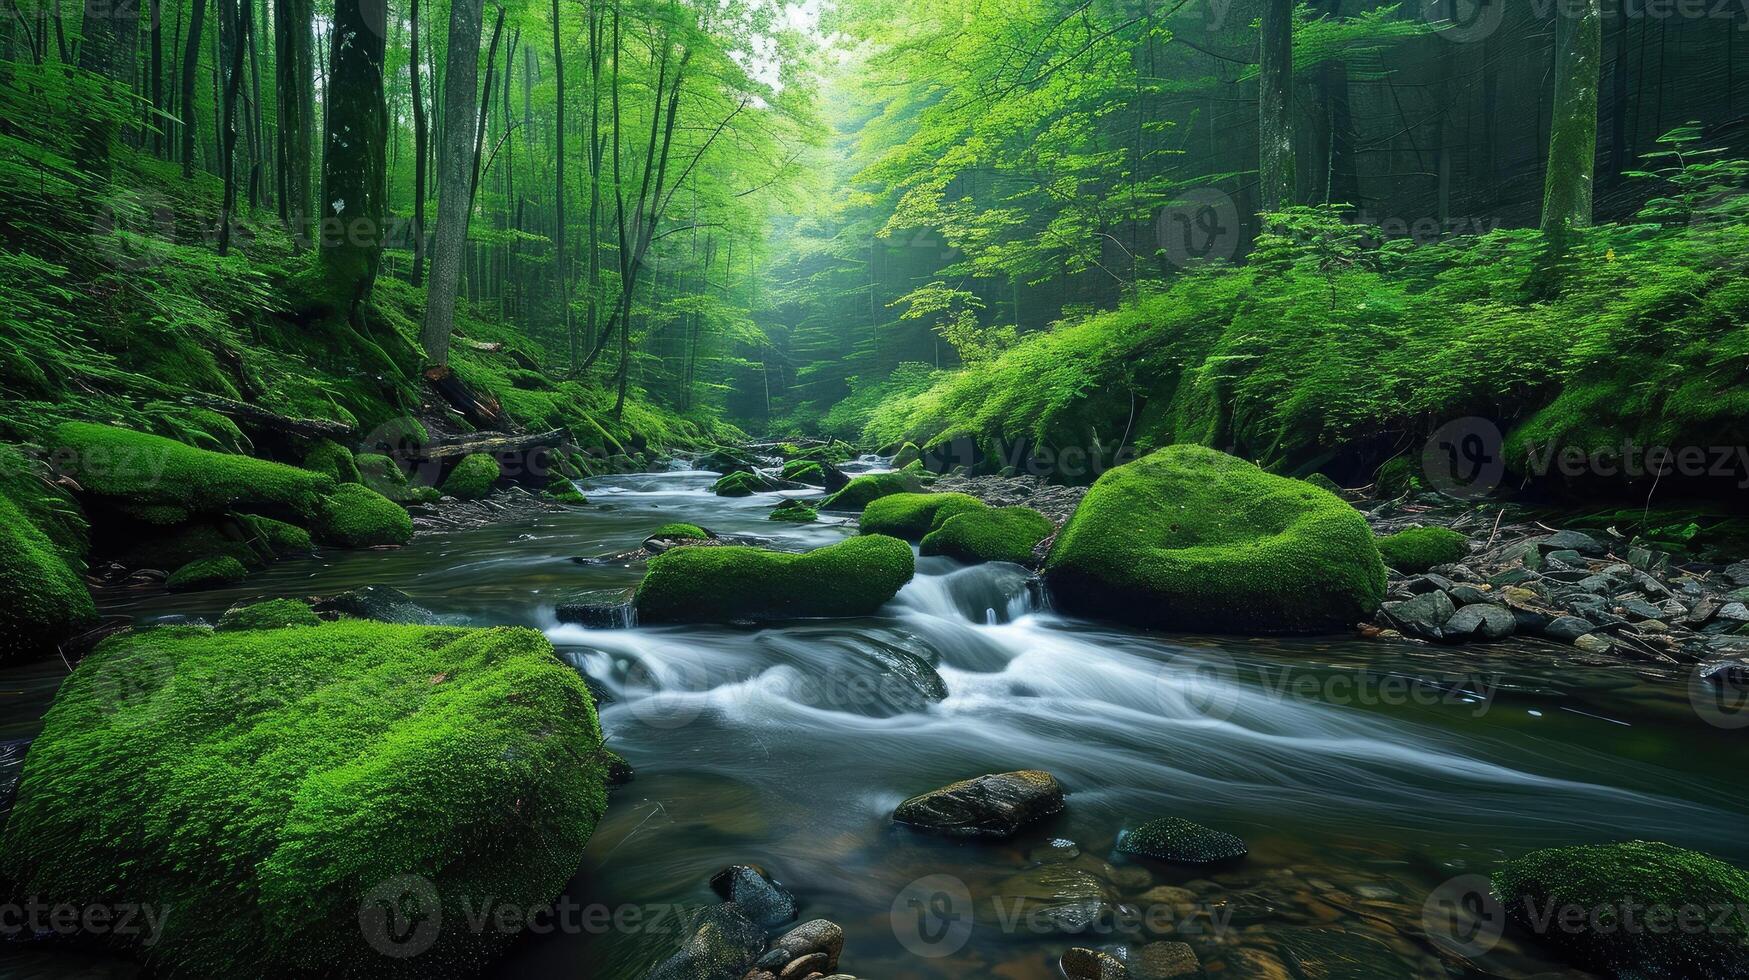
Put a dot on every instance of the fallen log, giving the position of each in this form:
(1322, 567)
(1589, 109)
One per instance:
(255, 415)
(490, 443)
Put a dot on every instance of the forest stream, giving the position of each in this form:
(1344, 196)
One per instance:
(1363, 776)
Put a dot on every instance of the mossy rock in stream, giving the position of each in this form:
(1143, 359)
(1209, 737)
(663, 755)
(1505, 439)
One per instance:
(677, 532)
(141, 470)
(741, 483)
(1193, 539)
(992, 534)
(806, 471)
(854, 577)
(472, 478)
(284, 795)
(278, 537)
(207, 573)
(860, 492)
(1419, 548)
(1610, 882)
(269, 614)
(332, 459)
(794, 512)
(46, 599)
(913, 515)
(355, 516)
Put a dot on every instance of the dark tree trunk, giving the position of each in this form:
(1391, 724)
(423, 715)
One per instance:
(453, 166)
(353, 157)
(190, 76)
(233, 89)
(160, 142)
(421, 152)
(1572, 163)
(1274, 91)
(294, 71)
(559, 259)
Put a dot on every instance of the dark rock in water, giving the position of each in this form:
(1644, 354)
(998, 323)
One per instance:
(1578, 541)
(994, 805)
(1423, 615)
(377, 602)
(1055, 898)
(726, 461)
(1566, 628)
(607, 609)
(835, 478)
(763, 900)
(911, 682)
(1081, 963)
(1181, 842)
(1329, 954)
(821, 936)
(1480, 622)
(1164, 961)
(723, 943)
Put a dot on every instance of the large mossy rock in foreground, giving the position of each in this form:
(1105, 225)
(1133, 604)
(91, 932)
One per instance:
(728, 584)
(268, 789)
(1615, 888)
(1193, 539)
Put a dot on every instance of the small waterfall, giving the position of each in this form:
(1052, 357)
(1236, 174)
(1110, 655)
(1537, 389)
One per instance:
(985, 595)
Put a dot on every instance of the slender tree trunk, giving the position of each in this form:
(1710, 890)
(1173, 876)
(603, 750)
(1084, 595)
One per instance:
(108, 40)
(353, 156)
(1275, 92)
(421, 151)
(485, 109)
(593, 314)
(453, 165)
(1572, 163)
(233, 90)
(560, 260)
(190, 76)
(160, 144)
(294, 71)
(256, 135)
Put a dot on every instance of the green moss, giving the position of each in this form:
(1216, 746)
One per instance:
(906, 455)
(269, 615)
(214, 537)
(804, 471)
(1416, 550)
(472, 478)
(680, 532)
(1323, 482)
(1193, 539)
(794, 512)
(278, 537)
(46, 600)
(207, 573)
(355, 516)
(309, 774)
(1398, 477)
(992, 534)
(740, 483)
(333, 460)
(141, 469)
(852, 578)
(912, 515)
(857, 494)
(1609, 882)
(53, 511)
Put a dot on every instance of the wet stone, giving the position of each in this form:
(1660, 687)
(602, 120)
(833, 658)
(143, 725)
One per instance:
(1164, 961)
(763, 900)
(1080, 963)
(723, 944)
(995, 805)
(1181, 842)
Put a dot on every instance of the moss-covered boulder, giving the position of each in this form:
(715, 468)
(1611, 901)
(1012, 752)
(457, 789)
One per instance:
(1416, 550)
(912, 515)
(268, 615)
(906, 455)
(1616, 889)
(560, 488)
(472, 478)
(741, 483)
(674, 535)
(794, 512)
(1323, 482)
(355, 516)
(726, 461)
(332, 459)
(46, 599)
(1398, 477)
(858, 493)
(207, 573)
(380, 473)
(852, 578)
(286, 795)
(278, 538)
(1193, 539)
(179, 481)
(805, 471)
(993, 534)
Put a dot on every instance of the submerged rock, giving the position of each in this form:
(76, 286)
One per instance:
(1081, 963)
(1181, 842)
(763, 900)
(1054, 898)
(816, 936)
(377, 602)
(722, 945)
(996, 805)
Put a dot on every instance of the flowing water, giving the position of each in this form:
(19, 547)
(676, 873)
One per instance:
(1362, 775)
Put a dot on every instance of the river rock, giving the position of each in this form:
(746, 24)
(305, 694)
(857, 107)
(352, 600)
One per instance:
(1329, 954)
(1738, 574)
(600, 609)
(1423, 615)
(1470, 595)
(1480, 622)
(377, 602)
(996, 805)
(1578, 541)
(1164, 961)
(1081, 963)
(1566, 629)
(761, 899)
(814, 936)
(1640, 609)
(1054, 898)
(1181, 842)
(1594, 643)
(723, 944)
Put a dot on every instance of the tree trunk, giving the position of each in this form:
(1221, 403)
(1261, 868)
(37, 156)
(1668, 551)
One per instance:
(108, 39)
(294, 71)
(559, 259)
(190, 75)
(160, 143)
(1275, 165)
(421, 152)
(353, 157)
(233, 90)
(485, 109)
(453, 166)
(1572, 164)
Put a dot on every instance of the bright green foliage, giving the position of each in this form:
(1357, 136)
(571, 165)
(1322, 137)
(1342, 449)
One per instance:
(711, 585)
(46, 599)
(138, 468)
(379, 472)
(207, 573)
(804, 471)
(50, 507)
(739, 484)
(1416, 550)
(991, 534)
(563, 490)
(356, 516)
(1192, 539)
(679, 531)
(794, 512)
(1610, 883)
(907, 454)
(269, 615)
(858, 493)
(278, 538)
(911, 515)
(331, 458)
(472, 478)
(304, 772)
